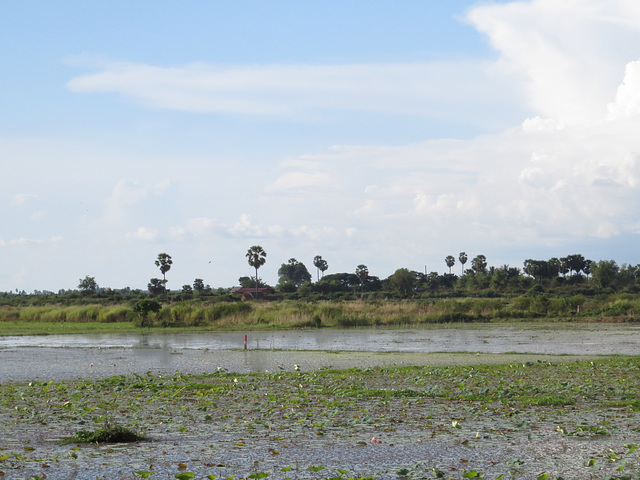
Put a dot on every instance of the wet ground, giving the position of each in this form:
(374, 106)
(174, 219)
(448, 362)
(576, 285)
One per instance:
(180, 436)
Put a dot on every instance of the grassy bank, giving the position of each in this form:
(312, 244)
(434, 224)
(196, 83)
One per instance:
(288, 314)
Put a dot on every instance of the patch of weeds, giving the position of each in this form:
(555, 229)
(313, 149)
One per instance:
(107, 434)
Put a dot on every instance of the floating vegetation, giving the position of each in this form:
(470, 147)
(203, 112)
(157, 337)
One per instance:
(107, 434)
(531, 420)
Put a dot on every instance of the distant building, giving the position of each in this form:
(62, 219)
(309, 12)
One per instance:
(249, 293)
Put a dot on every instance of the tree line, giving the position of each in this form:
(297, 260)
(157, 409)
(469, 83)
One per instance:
(295, 279)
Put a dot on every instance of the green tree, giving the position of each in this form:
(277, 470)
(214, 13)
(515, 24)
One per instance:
(143, 308)
(250, 282)
(293, 274)
(187, 292)
(362, 272)
(321, 265)
(604, 272)
(575, 263)
(156, 286)
(462, 258)
(88, 284)
(479, 264)
(403, 281)
(164, 263)
(256, 256)
(450, 261)
(198, 285)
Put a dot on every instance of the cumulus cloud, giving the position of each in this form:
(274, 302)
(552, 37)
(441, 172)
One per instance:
(568, 55)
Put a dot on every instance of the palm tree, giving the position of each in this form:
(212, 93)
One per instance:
(462, 258)
(320, 264)
(164, 262)
(450, 261)
(256, 257)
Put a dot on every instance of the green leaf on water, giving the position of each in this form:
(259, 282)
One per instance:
(143, 473)
(185, 476)
(311, 468)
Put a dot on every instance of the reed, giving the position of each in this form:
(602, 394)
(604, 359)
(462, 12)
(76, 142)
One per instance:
(287, 314)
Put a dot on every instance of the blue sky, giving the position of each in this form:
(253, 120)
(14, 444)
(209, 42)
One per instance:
(386, 133)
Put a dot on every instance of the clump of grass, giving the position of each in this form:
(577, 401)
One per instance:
(106, 434)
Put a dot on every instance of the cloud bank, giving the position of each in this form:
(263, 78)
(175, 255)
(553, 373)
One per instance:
(563, 176)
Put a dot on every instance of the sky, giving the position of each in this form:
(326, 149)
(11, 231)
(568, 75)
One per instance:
(375, 132)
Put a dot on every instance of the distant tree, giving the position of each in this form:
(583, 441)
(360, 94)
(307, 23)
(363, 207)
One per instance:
(156, 286)
(450, 261)
(321, 265)
(479, 264)
(256, 256)
(588, 264)
(198, 285)
(362, 272)
(187, 292)
(576, 263)
(403, 281)
(462, 258)
(164, 263)
(250, 282)
(88, 284)
(554, 266)
(564, 266)
(293, 274)
(605, 272)
(143, 308)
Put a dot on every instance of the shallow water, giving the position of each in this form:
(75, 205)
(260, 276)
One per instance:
(552, 339)
(61, 357)
(96, 356)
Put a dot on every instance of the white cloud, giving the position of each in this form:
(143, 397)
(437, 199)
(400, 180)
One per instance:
(25, 241)
(20, 199)
(303, 182)
(417, 88)
(124, 195)
(568, 54)
(143, 234)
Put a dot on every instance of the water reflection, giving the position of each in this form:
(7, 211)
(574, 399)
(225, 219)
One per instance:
(547, 339)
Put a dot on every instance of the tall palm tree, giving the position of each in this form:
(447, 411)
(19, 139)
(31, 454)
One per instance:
(164, 262)
(463, 259)
(320, 264)
(256, 257)
(450, 261)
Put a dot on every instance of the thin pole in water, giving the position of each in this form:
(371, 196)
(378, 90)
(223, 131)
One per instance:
(245, 342)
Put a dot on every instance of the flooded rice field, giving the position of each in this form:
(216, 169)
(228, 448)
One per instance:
(467, 402)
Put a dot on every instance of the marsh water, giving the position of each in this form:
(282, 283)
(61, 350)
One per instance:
(68, 356)
(63, 357)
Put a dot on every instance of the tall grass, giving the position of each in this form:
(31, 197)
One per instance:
(344, 313)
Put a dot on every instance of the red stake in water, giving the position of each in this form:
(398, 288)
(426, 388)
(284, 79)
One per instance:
(245, 342)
